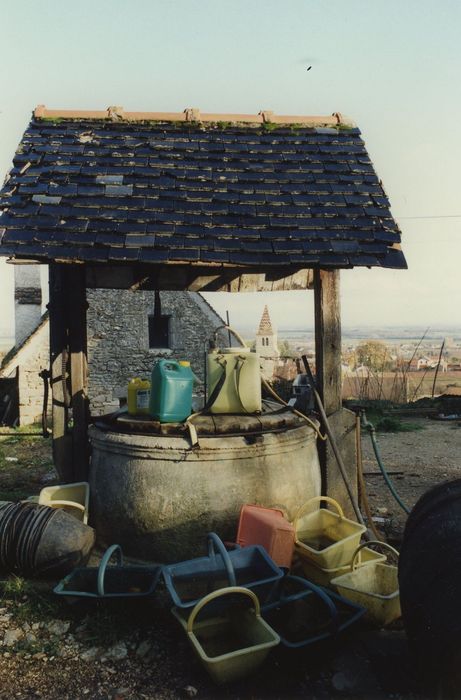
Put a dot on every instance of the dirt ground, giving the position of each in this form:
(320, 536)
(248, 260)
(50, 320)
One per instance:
(52, 649)
(415, 461)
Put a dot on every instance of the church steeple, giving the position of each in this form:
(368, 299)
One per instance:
(266, 344)
(265, 325)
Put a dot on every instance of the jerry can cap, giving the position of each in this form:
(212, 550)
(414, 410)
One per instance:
(184, 363)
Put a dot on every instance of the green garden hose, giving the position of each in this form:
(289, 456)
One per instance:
(372, 430)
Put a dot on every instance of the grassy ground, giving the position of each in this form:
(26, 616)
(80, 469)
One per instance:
(25, 459)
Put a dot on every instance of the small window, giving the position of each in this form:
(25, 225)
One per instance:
(159, 332)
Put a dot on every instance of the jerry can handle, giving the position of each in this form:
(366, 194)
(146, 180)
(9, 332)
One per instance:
(215, 545)
(316, 499)
(170, 364)
(218, 594)
(367, 544)
(114, 548)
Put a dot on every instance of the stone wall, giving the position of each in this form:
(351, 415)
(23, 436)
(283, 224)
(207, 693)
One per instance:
(31, 358)
(118, 346)
(118, 339)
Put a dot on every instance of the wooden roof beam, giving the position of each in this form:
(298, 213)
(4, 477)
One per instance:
(117, 113)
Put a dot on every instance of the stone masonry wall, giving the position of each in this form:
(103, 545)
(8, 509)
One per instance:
(31, 358)
(118, 339)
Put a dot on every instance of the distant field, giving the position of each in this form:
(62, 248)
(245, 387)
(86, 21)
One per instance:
(394, 387)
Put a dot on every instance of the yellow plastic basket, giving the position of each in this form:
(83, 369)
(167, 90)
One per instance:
(234, 640)
(375, 587)
(74, 498)
(325, 538)
(323, 577)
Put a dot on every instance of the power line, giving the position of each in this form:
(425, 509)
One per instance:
(435, 216)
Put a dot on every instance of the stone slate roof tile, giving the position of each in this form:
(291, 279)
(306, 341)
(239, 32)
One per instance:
(101, 190)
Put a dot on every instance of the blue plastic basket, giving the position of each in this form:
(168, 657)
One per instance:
(114, 581)
(250, 567)
(303, 613)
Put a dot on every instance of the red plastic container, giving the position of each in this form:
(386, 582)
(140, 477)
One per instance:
(269, 528)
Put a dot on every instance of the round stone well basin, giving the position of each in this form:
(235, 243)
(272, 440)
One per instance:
(158, 496)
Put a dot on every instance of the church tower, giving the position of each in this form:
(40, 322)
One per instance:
(266, 345)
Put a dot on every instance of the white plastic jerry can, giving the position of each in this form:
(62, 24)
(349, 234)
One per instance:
(238, 372)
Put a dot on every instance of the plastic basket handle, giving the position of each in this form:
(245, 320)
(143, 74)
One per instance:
(216, 543)
(114, 548)
(218, 594)
(367, 544)
(324, 597)
(66, 504)
(317, 499)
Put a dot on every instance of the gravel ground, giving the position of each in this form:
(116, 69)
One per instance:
(415, 460)
(122, 652)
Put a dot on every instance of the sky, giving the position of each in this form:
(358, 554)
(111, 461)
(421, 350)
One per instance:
(393, 67)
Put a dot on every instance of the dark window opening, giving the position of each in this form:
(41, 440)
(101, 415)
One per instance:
(159, 332)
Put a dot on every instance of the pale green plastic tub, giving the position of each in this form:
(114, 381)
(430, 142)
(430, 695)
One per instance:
(323, 577)
(376, 587)
(327, 539)
(234, 641)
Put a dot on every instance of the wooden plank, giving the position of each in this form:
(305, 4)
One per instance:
(61, 442)
(110, 277)
(196, 278)
(328, 338)
(77, 307)
(68, 360)
(200, 282)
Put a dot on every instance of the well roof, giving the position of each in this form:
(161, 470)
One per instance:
(255, 192)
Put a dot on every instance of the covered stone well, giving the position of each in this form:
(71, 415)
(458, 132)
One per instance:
(192, 202)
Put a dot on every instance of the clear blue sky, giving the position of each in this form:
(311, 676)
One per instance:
(394, 67)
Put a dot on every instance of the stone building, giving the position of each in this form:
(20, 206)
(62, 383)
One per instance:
(127, 331)
(21, 387)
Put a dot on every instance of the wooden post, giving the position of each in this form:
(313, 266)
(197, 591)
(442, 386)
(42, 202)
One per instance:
(328, 338)
(77, 307)
(59, 375)
(68, 360)
(328, 375)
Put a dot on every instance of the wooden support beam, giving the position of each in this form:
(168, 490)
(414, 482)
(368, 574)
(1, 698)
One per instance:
(77, 308)
(62, 442)
(328, 338)
(328, 375)
(196, 278)
(68, 360)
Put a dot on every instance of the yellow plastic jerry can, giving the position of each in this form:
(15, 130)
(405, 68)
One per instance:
(138, 397)
(238, 372)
